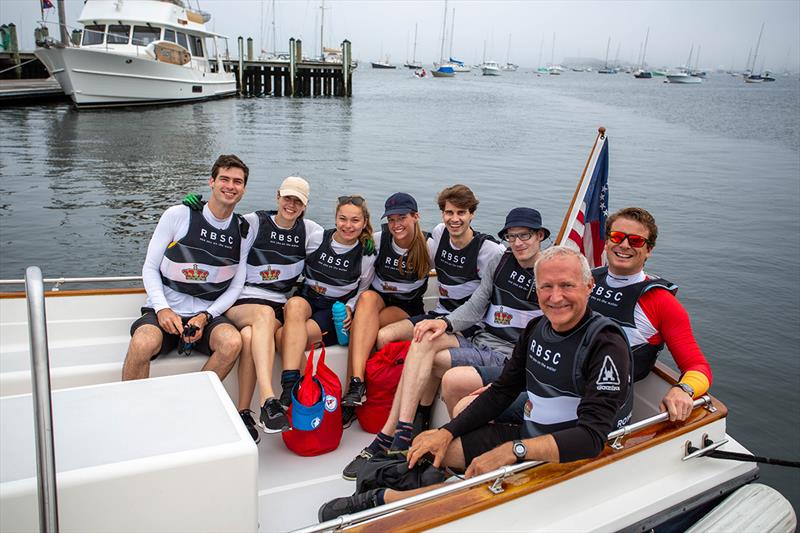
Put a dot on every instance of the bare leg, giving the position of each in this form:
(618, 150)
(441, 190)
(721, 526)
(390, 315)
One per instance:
(263, 324)
(416, 371)
(458, 383)
(225, 344)
(144, 344)
(402, 330)
(366, 323)
(463, 403)
(247, 370)
(441, 364)
(294, 335)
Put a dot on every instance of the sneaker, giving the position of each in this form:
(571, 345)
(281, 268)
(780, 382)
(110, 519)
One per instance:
(286, 393)
(356, 393)
(250, 424)
(348, 505)
(348, 415)
(273, 418)
(350, 472)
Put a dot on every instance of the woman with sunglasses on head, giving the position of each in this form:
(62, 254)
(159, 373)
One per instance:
(401, 278)
(339, 270)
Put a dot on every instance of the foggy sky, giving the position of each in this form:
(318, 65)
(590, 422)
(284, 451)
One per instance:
(724, 30)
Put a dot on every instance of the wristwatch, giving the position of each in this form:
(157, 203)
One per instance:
(685, 388)
(520, 450)
(449, 326)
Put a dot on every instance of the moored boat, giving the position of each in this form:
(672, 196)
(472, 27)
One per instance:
(683, 77)
(646, 476)
(140, 52)
(490, 68)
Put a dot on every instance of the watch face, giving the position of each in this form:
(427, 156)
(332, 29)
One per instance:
(519, 450)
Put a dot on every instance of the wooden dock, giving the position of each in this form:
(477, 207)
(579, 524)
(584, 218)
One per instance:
(31, 91)
(293, 76)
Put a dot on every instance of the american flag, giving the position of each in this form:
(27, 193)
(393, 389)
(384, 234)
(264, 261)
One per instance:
(585, 225)
(47, 4)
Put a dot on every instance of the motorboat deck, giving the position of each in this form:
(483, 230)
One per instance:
(639, 481)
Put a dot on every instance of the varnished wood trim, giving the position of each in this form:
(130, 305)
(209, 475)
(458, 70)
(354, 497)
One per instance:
(475, 499)
(78, 292)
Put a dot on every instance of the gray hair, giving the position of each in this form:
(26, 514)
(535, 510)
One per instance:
(564, 251)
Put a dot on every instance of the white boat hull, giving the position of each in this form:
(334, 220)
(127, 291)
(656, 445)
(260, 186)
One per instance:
(96, 78)
(683, 78)
(490, 71)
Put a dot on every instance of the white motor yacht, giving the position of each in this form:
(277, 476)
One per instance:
(683, 77)
(490, 68)
(137, 52)
(170, 453)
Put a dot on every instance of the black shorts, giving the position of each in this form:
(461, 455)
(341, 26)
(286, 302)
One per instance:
(277, 307)
(488, 437)
(514, 413)
(411, 307)
(430, 315)
(170, 341)
(321, 314)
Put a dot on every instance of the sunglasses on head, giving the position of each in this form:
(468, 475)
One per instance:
(355, 200)
(635, 241)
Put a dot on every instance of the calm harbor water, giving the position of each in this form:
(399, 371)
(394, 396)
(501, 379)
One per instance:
(718, 164)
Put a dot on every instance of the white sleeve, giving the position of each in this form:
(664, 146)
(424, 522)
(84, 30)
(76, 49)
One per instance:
(231, 294)
(172, 227)
(489, 250)
(365, 280)
(314, 233)
(433, 242)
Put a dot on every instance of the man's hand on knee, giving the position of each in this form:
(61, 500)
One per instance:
(436, 327)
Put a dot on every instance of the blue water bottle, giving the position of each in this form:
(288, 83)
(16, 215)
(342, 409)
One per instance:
(339, 315)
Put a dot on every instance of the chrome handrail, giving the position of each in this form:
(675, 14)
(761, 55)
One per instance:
(42, 401)
(495, 475)
(59, 281)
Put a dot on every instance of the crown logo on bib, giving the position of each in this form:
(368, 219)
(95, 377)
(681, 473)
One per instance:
(442, 291)
(269, 274)
(503, 318)
(388, 288)
(195, 274)
(319, 289)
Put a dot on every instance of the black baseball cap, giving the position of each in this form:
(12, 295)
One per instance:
(524, 217)
(399, 203)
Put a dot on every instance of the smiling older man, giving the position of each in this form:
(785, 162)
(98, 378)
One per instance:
(574, 366)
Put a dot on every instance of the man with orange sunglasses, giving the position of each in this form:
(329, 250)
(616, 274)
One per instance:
(646, 307)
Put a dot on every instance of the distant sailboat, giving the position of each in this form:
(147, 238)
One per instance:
(605, 69)
(413, 63)
(509, 66)
(554, 69)
(641, 73)
(753, 77)
(443, 70)
(683, 76)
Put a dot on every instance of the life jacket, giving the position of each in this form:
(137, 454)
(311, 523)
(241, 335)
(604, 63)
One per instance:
(393, 276)
(554, 379)
(457, 271)
(204, 261)
(619, 303)
(513, 302)
(278, 255)
(329, 276)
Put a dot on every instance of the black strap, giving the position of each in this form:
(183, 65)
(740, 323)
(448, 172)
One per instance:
(734, 456)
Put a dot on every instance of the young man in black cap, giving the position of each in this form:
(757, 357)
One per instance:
(504, 302)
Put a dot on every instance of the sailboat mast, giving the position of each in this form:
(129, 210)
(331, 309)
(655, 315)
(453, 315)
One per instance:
(452, 30)
(541, 49)
(757, 45)
(444, 27)
(689, 61)
(274, 36)
(508, 50)
(322, 29)
(644, 52)
(697, 58)
(414, 56)
(553, 50)
(608, 47)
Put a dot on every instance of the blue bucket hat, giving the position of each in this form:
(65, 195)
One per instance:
(524, 217)
(307, 417)
(400, 203)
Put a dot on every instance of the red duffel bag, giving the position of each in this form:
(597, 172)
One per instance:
(315, 413)
(381, 377)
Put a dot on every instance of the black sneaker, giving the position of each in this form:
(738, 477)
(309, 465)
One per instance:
(286, 393)
(250, 424)
(350, 472)
(348, 505)
(273, 419)
(348, 415)
(356, 393)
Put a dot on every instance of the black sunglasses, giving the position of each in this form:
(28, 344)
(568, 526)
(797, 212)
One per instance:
(355, 200)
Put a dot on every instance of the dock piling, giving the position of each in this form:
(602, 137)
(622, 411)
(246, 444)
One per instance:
(240, 72)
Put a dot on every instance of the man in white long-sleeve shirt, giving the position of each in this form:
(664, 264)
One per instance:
(193, 272)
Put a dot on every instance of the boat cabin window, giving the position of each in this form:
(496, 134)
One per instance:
(93, 34)
(169, 35)
(118, 34)
(144, 35)
(182, 40)
(196, 44)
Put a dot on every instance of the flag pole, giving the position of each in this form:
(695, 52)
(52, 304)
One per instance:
(601, 133)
